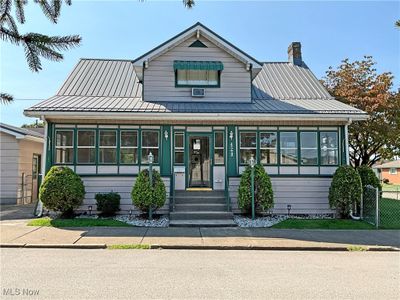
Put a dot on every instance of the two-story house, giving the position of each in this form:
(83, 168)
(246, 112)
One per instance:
(203, 108)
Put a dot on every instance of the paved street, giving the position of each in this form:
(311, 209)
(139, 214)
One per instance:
(183, 274)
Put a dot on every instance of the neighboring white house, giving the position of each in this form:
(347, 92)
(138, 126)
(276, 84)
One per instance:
(20, 160)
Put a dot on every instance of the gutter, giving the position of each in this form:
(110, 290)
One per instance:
(195, 116)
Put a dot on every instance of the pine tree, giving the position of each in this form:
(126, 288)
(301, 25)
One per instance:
(36, 45)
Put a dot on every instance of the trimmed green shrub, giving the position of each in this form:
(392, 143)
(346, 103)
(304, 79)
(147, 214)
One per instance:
(62, 190)
(108, 203)
(345, 190)
(143, 196)
(368, 177)
(263, 194)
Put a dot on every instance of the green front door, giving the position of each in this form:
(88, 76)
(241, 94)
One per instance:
(199, 165)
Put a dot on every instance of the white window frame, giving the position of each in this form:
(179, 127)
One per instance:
(179, 149)
(108, 147)
(269, 148)
(288, 148)
(150, 147)
(65, 147)
(85, 147)
(391, 172)
(129, 147)
(329, 148)
(308, 148)
(219, 147)
(246, 148)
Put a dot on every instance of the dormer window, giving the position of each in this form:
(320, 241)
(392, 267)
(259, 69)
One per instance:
(198, 73)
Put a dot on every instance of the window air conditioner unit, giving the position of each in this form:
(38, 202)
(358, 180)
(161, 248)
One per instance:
(198, 92)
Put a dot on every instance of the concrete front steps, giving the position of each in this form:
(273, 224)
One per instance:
(201, 209)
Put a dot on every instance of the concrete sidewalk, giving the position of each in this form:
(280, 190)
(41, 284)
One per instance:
(18, 234)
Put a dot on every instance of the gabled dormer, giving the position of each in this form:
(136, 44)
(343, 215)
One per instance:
(197, 65)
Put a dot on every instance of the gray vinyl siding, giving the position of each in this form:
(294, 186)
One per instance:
(305, 195)
(9, 150)
(118, 184)
(159, 77)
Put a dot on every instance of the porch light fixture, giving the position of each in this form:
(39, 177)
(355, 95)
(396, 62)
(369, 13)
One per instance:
(289, 207)
(90, 210)
(151, 159)
(166, 135)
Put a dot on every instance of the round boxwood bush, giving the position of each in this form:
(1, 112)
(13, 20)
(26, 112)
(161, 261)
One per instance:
(62, 190)
(345, 190)
(263, 194)
(143, 196)
(368, 177)
(108, 203)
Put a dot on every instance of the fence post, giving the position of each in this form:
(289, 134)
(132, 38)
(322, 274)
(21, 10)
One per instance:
(362, 204)
(377, 208)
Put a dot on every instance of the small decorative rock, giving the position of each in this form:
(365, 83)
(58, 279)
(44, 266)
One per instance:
(163, 221)
(266, 221)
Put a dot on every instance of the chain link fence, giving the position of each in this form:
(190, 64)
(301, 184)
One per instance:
(379, 210)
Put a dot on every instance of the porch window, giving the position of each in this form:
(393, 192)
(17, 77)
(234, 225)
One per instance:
(248, 147)
(329, 148)
(288, 143)
(219, 148)
(179, 149)
(64, 146)
(128, 147)
(108, 146)
(150, 143)
(268, 148)
(86, 147)
(309, 148)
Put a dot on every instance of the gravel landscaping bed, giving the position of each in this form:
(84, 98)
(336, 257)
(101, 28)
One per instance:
(270, 220)
(139, 221)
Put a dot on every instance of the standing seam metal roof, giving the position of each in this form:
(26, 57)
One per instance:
(98, 85)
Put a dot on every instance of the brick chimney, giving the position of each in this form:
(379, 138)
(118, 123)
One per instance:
(294, 53)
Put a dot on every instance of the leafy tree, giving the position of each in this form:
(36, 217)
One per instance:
(37, 124)
(36, 45)
(358, 84)
(397, 23)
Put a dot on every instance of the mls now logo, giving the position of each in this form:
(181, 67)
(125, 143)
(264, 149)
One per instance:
(20, 292)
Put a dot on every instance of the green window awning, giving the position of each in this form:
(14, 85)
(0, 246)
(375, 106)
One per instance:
(198, 65)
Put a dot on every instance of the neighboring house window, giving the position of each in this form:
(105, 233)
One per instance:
(288, 143)
(219, 148)
(329, 148)
(197, 78)
(392, 171)
(308, 148)
(107, 146)
(64, 146)
(248, 146)
(179, 149)
(129, 147)
(149, 144)
(268, 148)
(86, 147)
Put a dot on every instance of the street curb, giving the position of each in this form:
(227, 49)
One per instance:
(215, 247)
(278, 248)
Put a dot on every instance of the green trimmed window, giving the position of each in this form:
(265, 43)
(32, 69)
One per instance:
(268, 148)
(86, 147)
(288, 143)
(219, 148)
(150, 143)
(308, 148)
(248, 146)
(179, 149)
(198, 73)
(107, 146)
(329, 148)
(128, 147)
(64, 147)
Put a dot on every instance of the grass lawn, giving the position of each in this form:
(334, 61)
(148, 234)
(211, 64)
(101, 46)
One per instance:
(391, 187)
(389, 213)
(77, 222)
(322, 224)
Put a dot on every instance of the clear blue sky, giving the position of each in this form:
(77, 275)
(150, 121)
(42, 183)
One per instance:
(328, 31)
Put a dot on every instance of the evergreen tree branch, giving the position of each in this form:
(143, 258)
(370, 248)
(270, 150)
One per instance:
(20, 10)
(6, 98)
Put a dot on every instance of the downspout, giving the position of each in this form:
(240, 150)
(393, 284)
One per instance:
(38, 210)
(346, 139)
